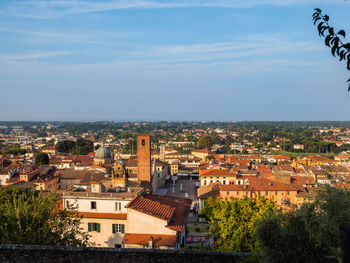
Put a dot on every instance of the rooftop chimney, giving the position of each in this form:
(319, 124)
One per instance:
(150, 242)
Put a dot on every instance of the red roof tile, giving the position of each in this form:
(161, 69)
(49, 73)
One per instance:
(172, 209)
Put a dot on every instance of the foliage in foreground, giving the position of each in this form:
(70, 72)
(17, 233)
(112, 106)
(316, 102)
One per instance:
(308, 234)
(332, 39)
(233, 222)
(29, 217)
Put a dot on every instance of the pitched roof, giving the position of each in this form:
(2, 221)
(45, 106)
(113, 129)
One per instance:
(172, 209)
(259, 184)
(158, 240)
(217, 172)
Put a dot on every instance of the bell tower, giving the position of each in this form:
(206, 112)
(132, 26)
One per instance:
(144, 158)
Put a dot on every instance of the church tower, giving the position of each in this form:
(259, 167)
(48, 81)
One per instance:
(144, 158)
(119, 175)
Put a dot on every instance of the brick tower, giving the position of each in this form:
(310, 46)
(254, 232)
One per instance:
(144, 158)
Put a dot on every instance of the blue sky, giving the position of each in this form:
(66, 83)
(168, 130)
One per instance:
(170, 60)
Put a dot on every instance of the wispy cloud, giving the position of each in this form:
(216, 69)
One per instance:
(261, 47)
(33, 56)
(56, 8)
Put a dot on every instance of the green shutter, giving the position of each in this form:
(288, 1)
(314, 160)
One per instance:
(97, 227)
(122, 228)
(113, 228)
(89, 227)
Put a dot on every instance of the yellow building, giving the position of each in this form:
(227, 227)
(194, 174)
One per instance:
(201, 153)
(50, 150)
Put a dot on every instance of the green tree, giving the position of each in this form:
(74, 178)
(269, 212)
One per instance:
(130, 147)
(232, 222)
(41, 159)
(83, 147)
(308, 234)
(332, 39)
(205, 142)
(29, 217)
(65, 146)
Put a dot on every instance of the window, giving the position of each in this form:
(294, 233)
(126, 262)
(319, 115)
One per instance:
(143, 142)
(205, 182)
(118, 206)
(94, 227)
(117, 246)
(266, 193)
(246, 193)
(211, 181)
(223, 182)
(237, 193)
(287, 193)
(118, 228)
(276, 193)
(67, 204)
(93, 205)
(227, 193)
(239, 182)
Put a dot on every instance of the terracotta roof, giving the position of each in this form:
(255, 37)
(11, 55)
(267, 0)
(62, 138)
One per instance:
(262, 184)
(217, 172)
(259, 184)
(158, 240)
(280, 156)
(172, 209)
(150, 207)
(102, 215)
(301, 180)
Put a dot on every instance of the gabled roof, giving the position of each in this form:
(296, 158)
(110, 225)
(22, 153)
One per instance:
(172, 209)
(150, 207)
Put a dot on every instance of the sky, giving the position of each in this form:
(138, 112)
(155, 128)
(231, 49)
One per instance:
(195, 60)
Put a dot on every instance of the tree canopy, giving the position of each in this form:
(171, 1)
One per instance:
(232, 222)
(29, 217)
(80, 147)
(308, 234)
(41, 159)
(205, 142)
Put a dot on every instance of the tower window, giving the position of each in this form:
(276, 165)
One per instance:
(143, 142)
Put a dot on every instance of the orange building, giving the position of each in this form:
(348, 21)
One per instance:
(280, 193)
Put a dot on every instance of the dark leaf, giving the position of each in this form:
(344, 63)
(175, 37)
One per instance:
(342, 32)
(331, 30)
(316, 20)
(322, 30)
(327, 39)
(334, 48)
(318, 10)
(326, 18)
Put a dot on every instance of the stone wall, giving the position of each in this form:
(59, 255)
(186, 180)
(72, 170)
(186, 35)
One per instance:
(42, 254)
